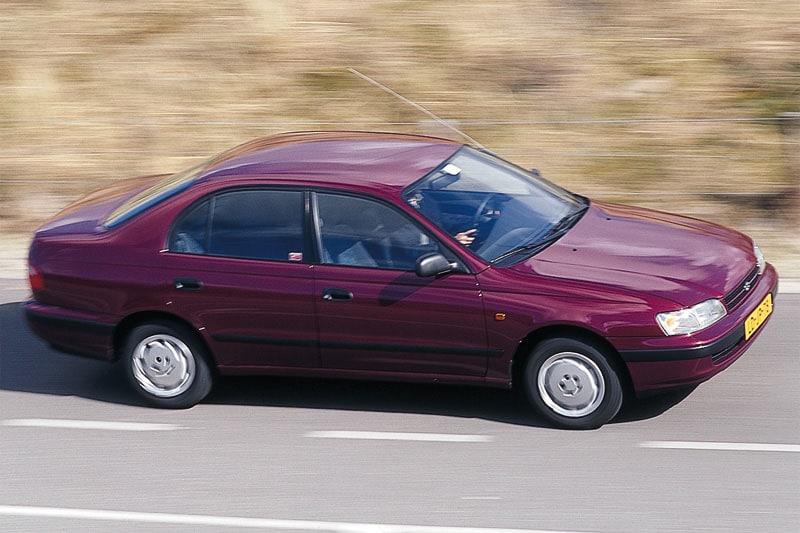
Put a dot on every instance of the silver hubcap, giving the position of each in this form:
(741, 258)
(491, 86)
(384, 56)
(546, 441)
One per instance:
(571, 384)
(163, 365)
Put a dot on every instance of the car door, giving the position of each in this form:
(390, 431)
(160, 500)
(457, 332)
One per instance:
(238, 272)
(374, 313)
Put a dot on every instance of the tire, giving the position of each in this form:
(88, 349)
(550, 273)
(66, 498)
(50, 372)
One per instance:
(572, 384)
(167, 365)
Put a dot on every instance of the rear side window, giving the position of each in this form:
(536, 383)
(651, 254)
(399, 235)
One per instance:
(249, 224)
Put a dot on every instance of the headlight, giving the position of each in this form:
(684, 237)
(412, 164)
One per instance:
(691, 319)
(760, 261)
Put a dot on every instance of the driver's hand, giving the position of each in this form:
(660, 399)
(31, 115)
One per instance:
(466, 237)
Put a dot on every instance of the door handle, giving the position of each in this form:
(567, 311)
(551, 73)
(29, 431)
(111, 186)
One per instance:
(337, 295)
(188, 284)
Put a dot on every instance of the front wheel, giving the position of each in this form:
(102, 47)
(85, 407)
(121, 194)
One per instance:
(572, 383)
(166, 364)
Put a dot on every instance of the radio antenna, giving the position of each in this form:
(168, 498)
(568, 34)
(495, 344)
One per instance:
(415, 106)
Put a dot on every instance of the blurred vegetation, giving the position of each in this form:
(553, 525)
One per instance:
(674, 105)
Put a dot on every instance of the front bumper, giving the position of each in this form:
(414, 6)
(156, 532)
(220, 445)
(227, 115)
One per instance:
(655, 364)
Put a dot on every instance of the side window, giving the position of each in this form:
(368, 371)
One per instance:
(361, 232)
(249, 224)
(190, 234)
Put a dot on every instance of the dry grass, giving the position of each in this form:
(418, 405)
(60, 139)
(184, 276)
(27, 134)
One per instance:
(96, 90)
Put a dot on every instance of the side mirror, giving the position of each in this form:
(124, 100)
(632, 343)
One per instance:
(434, 264)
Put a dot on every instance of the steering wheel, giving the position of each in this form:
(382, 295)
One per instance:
(476, 219)
(481, 222)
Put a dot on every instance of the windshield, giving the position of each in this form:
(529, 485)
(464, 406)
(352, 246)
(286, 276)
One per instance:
(499, 211)
(153, 195)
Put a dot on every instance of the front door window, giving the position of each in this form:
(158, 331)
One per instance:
(361, 232)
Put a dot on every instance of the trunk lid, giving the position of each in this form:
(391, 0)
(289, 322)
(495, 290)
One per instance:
(88, 214)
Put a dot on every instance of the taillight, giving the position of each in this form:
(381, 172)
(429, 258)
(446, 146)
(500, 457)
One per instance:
(35, 278)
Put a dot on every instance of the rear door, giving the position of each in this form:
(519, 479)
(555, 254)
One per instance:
(238, 272)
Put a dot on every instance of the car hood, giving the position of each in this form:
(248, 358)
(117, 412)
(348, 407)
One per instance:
(88, 214)
(677, 258)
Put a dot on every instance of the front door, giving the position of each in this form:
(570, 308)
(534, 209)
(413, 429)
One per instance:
(374, 313)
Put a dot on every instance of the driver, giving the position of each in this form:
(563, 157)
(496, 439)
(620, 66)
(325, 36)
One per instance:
(466, 237)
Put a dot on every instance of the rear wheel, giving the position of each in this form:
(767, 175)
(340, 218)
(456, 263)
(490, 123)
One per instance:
(167, 365)
(572, 383)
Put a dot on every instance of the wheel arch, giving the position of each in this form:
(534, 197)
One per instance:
(130, 322)
(525, 349)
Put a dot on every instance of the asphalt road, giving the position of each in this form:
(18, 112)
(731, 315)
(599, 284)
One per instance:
(78, 452)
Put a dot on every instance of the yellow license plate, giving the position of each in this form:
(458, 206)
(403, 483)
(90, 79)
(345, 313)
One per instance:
(758, 317)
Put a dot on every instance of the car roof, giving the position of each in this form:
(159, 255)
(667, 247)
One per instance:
(343, 157)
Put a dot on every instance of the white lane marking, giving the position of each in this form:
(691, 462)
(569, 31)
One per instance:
(242, 522)
(720, 446)
(388, 435)
(89, 424)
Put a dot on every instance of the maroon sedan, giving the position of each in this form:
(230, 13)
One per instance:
(393, 257)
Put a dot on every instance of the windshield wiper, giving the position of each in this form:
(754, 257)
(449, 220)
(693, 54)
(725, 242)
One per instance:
(532, 248)
(555, 233)
(565, 223)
